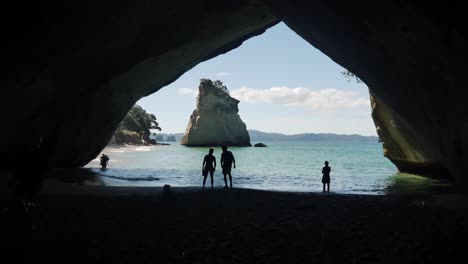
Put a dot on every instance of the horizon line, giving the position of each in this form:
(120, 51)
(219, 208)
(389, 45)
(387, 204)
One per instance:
(354, 134)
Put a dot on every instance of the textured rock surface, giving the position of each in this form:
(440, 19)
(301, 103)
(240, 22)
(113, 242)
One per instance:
(215, 121)
(76, 68)
(401, 144)
(73, 69)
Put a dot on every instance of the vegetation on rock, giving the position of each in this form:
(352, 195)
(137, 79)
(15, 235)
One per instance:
(216, 83)
(351, 76)
(136, 126)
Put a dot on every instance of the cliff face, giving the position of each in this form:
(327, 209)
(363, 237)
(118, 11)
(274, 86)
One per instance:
(74, 69)
(215, 121)
(402, 145)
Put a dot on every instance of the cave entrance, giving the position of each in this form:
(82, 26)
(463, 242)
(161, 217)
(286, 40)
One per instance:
(287, 90)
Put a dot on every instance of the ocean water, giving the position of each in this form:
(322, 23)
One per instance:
(357, 167)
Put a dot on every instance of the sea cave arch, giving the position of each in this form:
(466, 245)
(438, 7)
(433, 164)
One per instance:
(74, 69)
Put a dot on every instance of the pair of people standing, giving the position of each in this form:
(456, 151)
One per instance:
(209, 166)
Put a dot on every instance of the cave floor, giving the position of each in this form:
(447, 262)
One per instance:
(236, 226)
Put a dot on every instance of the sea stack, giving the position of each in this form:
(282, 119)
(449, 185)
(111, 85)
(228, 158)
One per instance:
(215, 121)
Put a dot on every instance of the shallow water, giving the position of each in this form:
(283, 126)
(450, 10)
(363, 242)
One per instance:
(357, 167)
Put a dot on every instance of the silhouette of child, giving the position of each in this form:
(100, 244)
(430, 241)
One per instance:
(209, 165)
(326, 176)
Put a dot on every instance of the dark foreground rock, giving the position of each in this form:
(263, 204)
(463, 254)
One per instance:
(237, 226)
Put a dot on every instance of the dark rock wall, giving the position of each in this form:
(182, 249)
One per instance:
(74, 68)
(412, 55)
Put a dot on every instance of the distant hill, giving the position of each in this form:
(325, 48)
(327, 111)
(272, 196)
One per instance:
(165, 136)
(259, 136)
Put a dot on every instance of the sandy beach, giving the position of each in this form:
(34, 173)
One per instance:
(76, 222)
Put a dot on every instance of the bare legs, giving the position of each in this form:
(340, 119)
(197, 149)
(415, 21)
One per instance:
(225, 180)
(328, 187)
(211, 176)
(204, 180)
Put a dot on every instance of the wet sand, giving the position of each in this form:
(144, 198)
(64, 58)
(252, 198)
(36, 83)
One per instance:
(82, 223)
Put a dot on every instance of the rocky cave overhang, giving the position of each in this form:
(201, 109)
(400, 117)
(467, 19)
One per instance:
(74, 68)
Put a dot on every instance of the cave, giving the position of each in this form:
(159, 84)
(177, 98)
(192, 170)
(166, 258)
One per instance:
(74, 69)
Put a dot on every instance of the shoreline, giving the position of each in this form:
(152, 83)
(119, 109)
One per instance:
(57, 187)
(77, 180)
(178, 166)
(137, 145)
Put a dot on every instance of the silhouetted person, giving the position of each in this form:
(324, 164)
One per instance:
(227, 160)
(209, 165)
(104, 160)
(326, 176)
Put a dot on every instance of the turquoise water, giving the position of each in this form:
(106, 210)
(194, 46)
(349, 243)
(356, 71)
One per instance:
(357, 167)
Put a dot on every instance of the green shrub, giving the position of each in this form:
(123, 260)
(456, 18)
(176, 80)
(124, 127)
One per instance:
(126, 136)
(136, 125)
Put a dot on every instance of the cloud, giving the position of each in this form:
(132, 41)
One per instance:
(320, 100)
(184, 91)
(223, 74)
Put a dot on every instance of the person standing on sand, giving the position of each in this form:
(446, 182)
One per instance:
(326, 176)
(104, 160)
(227, 159)
(209, 165)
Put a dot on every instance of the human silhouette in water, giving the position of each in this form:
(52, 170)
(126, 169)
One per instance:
(209, 165)
(326, 176)
(227, 160)
(104, 160)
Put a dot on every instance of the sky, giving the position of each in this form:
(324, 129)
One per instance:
(284, 84)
